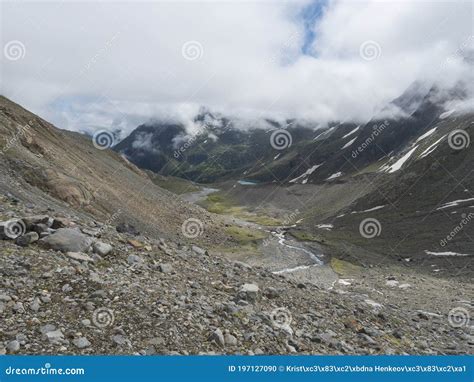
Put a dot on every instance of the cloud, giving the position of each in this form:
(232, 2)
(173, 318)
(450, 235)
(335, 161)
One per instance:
(114, 65)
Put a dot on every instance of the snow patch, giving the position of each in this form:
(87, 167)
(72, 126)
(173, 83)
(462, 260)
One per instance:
(351, 132)
(344, 282)
(430, 149)
(327, 227)
(306, 174)
(446, 253)
(399, 163)
(348, 143)
(425, 135)
(334, 176)
(454, 203)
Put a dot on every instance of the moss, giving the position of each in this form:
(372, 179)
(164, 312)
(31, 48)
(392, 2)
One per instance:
(219, 204)
(244, 235)
(344, 268)
(304, 236)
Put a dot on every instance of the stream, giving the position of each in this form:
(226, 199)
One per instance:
(281, 253)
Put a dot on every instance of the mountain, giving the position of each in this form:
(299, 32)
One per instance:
(95, 259)
(217, 151)
(64, 170)
(409, 167)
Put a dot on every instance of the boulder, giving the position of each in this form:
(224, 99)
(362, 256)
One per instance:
(60, 223)
(199, 250)
(67, 240)
(101, 248)
(218, 337)
(127, 228)
(249, 292)
(26, 239)
(30, 221)
(166, 268)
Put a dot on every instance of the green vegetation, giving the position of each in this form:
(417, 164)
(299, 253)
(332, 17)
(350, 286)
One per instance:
(344, 268)
(218, 203)
(245, 235)
(304, 236)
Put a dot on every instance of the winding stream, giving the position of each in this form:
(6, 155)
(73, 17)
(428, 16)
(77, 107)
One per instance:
(281, 253)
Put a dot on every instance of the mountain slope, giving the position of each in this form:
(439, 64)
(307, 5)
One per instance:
(64, 170)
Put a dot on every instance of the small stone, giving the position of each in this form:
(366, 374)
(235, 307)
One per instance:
(60, 223)
(217, 337)
(66, 288)
(54, 336)
(35, 305)
(135, 243)
(30, 221)
(120, 339)
(13, 346)
(79, 256)
(249, 292)
(81, 342)
(41, 228)
(47, 328)
(102, 249)
(86, 322)
(271, 293)
(166, 268)
(199, 250)
(27, 239)
(134, 259)
(127, 228)
(230, 340)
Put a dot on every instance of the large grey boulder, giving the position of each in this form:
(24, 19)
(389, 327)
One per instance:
(67, 240)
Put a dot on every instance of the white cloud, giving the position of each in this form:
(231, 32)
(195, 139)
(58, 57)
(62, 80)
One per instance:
(114, 65)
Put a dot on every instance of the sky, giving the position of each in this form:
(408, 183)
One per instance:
(94, 65)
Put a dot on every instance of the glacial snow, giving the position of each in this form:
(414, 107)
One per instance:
(334, 176)
(351, 132)
(399, 163)
(348, 143)
(425, 135)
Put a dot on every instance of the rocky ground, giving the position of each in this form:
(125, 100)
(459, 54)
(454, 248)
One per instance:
(72, 285)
